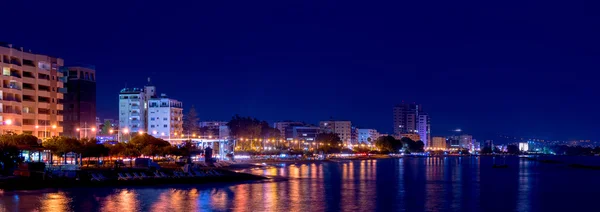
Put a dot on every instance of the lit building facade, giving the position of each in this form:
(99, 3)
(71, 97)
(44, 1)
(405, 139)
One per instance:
(31, 93)
(409, 118)
(342, 128)
(412, 136)
(438, 143)
(367, 136)
(424, 129)
(132, 110)
(165, 117)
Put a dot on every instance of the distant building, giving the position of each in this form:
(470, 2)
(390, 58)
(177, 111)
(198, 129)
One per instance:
(342, 128)
(80, 102)
(453, 141)
(306, 133)
(212, 124)
(424, 129)
(283, 126)
(367, 136)
(165, 117)
(438, 143)
(406, 117)
(412, 136)
(466, 141)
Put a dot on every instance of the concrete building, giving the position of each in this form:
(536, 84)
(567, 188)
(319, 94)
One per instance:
(283, 125)
(412, 136)
(466, 141)
(132, 110)
(438, 143)
(165, 117)
(80, 102)
(367, 136)
(212, 124)
(424, 128)
(306, 133)
(31, 93)
(406, 118)
(342, 128)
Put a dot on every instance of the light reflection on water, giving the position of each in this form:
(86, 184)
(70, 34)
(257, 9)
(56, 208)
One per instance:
(409, 184)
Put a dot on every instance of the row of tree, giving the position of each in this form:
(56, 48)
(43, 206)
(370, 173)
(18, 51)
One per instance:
(405, 144)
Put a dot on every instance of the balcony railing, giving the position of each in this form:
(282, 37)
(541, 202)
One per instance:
(12, 87)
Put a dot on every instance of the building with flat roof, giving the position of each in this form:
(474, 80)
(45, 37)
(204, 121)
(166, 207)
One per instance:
(342, 128)
(165, 117)
(31, 92)
(438, 143)
(80, 102)
(367, 136)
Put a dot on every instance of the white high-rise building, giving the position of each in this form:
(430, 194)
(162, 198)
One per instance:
(424, 129)
(132, 110)
(367, 136)
(165, 117)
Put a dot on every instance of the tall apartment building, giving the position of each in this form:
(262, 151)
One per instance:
(367, 136)
(132, 110)
(409, 118)
(466, 141)
(438, 143)
(342, 128)
(31, 93)
(165, 117)
(406, 116)
(80, 102)
(424, 128)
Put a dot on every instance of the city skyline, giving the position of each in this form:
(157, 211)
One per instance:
(473, 76)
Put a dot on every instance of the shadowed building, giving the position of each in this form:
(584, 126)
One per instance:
(80, 102)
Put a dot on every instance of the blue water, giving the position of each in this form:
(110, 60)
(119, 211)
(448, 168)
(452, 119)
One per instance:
(409, 184)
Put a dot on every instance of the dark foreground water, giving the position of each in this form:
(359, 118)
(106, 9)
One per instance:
(409, 184)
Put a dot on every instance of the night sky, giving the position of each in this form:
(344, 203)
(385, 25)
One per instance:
(525, 68)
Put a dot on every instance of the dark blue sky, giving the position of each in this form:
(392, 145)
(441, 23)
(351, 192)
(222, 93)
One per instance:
(527, 68)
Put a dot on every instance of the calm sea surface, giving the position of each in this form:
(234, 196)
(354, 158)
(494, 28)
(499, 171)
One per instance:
(409, 184)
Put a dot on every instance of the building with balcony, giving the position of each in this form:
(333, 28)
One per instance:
(342, 128)
(80, 102)
(31, 92)
(165, 117)
(132, 110)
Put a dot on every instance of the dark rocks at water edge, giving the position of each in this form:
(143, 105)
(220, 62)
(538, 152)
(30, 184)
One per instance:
(125, 177)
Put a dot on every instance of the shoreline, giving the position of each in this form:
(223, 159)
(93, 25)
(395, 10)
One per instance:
(33, 183)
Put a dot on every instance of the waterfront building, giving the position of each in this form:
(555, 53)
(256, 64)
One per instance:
(342, 128)
(31, 93)
(424, 129)
(466, 141)
(438, 143)
(367, 136)
(283, 125)
(80, 102)
(306, 133)
(412, 136)
(132, 110)
(406, 117)
(165, 117)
